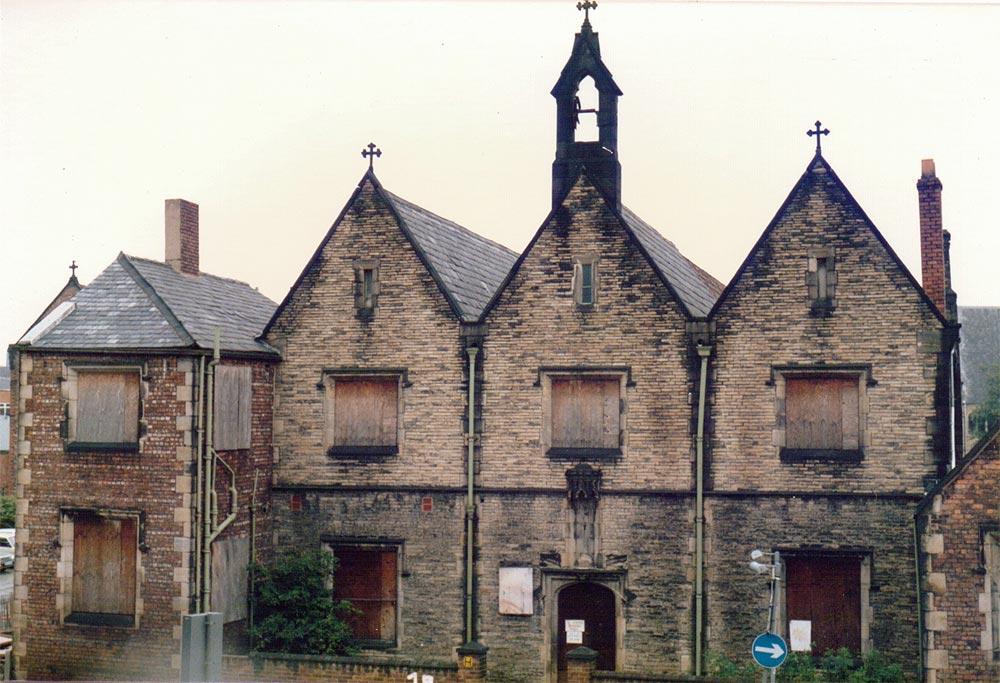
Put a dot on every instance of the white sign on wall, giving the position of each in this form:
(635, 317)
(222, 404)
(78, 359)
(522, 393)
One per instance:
(574, 631)
(516, 585)
(800, 635)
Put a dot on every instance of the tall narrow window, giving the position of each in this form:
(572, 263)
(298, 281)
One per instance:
(368, 278)
(585, 282)
(231, 426)
(366, 286)
(822, 282)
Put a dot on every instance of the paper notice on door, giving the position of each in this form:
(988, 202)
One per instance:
(574, 631)
(800, 635)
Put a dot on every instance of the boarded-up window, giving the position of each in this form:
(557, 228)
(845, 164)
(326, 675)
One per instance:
(230, 559)
(367, 578)
(585, 412)
(826, 591)
(822, 413)
(107, 409)
(104, 552)
(232, 407)
(364, 413)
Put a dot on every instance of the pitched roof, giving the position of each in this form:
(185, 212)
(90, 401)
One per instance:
(819, 168)
(136, 303)
(980, 339)
(469, 267)
(955, 472)
(694, 287)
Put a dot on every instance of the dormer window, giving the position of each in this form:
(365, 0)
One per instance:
(366, 286)
(585, 280)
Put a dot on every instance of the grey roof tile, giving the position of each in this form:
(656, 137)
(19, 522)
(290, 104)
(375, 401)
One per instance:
(697, 289)
(136, 303)
(470, 266)
(980, 349)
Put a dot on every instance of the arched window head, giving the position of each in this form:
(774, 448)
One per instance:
(586, 104)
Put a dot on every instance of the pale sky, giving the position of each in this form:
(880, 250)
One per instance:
(258, 112)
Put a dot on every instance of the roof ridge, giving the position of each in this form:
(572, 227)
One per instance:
(201, 273)
(155, 298)
(468, 231)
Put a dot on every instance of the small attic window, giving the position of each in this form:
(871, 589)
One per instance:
(821, 281)
(585, 281)
(366, 286)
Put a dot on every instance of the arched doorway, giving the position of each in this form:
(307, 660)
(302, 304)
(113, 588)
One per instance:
(594, 606)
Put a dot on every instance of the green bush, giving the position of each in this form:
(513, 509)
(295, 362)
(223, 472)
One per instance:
(838, 666)
(294, 610)
(6, 512)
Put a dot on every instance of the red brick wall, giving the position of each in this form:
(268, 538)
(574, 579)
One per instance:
(932, 269)
(158, 482)
(954, 580)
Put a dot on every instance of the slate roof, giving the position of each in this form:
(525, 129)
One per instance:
(980, 349)
(469, 266)
(136, 303)
(696, 288)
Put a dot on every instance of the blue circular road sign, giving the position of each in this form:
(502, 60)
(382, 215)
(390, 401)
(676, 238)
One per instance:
(769, 650)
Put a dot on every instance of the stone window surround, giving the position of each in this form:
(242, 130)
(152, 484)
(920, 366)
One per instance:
(68, 390)
(377, 543)
(553, 580)
(327, 385)
(366, 305)
(593, 260)
(778, 375)
(544, 380)
(988, 534)
(821, 306)
(867, 613)
(64, 567)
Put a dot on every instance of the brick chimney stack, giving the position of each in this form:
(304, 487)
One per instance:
(932, 258)
(182, 235)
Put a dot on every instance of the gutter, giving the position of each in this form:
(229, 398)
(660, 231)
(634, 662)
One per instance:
(704, 351)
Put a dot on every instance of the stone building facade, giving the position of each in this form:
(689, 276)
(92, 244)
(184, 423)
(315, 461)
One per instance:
(111, 413)
(959, 528)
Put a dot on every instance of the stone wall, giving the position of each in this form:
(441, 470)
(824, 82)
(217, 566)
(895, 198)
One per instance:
(277, 667)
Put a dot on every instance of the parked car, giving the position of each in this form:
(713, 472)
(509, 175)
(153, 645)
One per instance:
(6, 554)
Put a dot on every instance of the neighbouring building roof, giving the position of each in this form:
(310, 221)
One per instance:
(696, 288)
(137, 303)
(468, 266)
(980, 349)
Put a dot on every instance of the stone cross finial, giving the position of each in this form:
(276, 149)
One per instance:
(371, 153)
(73, 267)
(586, 6)
(819, 131)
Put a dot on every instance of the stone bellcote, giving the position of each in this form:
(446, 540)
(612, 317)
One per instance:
(600, 157)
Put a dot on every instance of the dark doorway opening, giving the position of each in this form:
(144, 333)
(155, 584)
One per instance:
(826, 590)
(594, 605)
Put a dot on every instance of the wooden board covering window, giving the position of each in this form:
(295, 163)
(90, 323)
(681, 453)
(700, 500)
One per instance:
(822, 412)
(104, 565)
(585, 412)
(826, 590)
(107, 408)
(232, 407)
(365, 411)
(367, 578)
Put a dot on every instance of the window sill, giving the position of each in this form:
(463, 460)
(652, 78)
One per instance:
(362, 452)
(824, 454)
(100, 619)
(599, 454)
(822, 308)
(373, 644)
(101, 447)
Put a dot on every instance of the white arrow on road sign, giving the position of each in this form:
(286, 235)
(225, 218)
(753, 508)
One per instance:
(774, 650)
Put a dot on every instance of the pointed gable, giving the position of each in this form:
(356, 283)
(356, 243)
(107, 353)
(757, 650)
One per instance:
(819, 183)
(691, 287)
(466, 267)
(585, 60)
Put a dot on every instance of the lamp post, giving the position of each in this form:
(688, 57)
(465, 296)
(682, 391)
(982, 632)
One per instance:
(774, 604)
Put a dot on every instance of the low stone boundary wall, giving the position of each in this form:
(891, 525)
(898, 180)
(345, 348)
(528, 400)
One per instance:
(283, 667)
